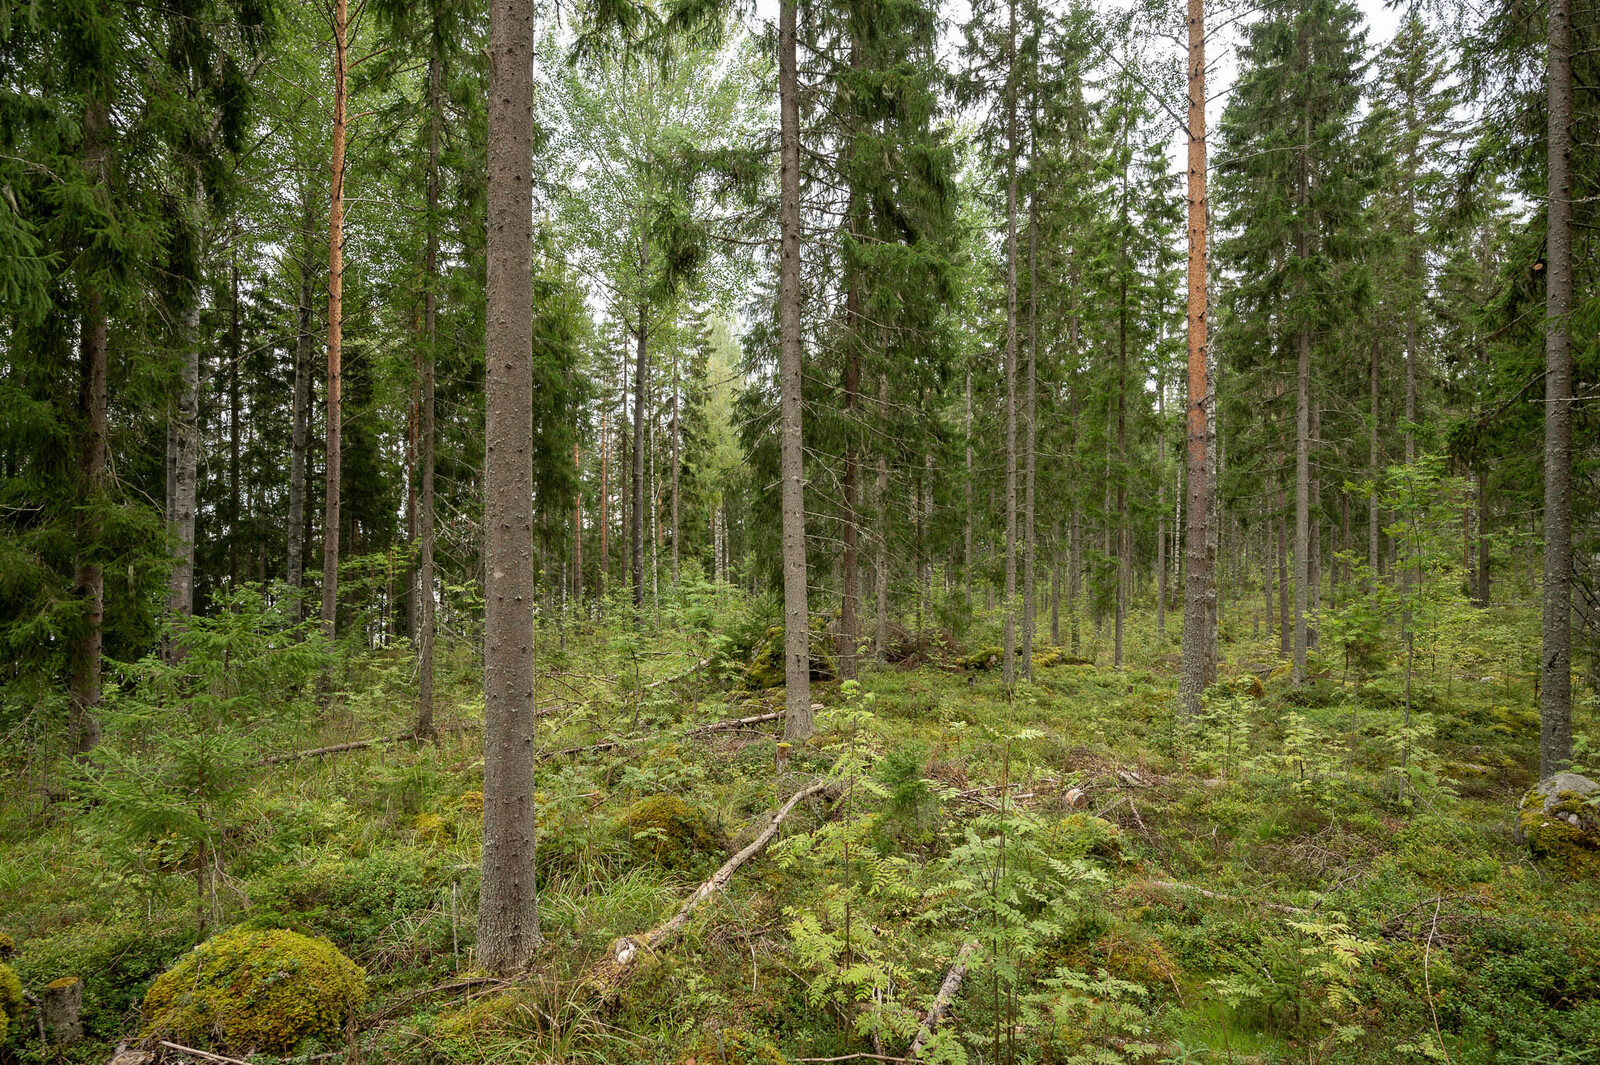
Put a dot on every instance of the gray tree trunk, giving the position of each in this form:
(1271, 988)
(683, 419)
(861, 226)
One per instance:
(797, 723)
(1009, 668)
(1555, 686)
(429, 442)
(330, 507)
(508, 908)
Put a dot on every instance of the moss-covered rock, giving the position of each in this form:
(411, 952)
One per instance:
(669, 831)
(988, 657)
(732, 1046)
(1559, 820)
(1082, 835)
(10, 1000)
(766, 661)
(256, 990)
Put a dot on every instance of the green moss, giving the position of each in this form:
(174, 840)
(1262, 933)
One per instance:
(732, 1046)
(268, 991)
(1081, 835)
(1552, 837)
(8, 946)
(988, 657)
(669, 831)
(10, 999)
(766, 663)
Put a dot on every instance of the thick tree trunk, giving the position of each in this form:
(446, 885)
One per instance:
(796, 619)
(1197, 570)
(1009, 666)
(330, 507)
(508, 913)
(424, 618)
(1555, 684)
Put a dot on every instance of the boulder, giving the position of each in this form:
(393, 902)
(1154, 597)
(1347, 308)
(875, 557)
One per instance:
(1559, 821)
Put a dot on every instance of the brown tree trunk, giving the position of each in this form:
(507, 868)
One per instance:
(89, 578)
(797, 724)
(430, 333)
(300, 427)
(330, 507)
(636, 529)
(1555, 684)
(1197, 567)
(508, 913)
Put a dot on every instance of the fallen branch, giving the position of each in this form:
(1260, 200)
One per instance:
(1220, 897)
(205, 1055)
(941, 1001)
(677, 676)
(849, 1057)
(611, 971)
(457, 985)
(609, 745)
(376, 741)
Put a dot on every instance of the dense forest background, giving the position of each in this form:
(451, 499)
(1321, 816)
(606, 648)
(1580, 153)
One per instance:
(1099, 426)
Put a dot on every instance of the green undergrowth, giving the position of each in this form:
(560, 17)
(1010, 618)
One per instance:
(1320, 874)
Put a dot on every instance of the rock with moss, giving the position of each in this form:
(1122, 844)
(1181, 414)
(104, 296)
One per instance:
(1559, 821)
(732, 1046)
(10, 1000)
(987, 657)
(670, 832)
(264, 990)
(766, 662)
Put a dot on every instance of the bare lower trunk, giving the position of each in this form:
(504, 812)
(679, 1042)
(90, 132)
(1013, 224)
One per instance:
(429, 442)
(1161, 511)
(185, 455)
(330, 508)
(89, 577)
(796, 619)
(1302, 503)
(300, 432)
(1372, 470)
(1009, 666)
(508, 909)
(1197, 569)
(1030, 438)
(636, 529)
(1555, 685)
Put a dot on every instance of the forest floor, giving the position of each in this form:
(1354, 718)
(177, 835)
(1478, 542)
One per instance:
(1267, 884)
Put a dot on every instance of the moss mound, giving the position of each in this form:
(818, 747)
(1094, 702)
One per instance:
(670, 832)
(988, 657)
(256, 990)
(766, 664)
(10, 1000)
(732, 1046)
(1561, 825)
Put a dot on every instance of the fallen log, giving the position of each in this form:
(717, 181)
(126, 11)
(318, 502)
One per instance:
(612, 970)
(941, 1001)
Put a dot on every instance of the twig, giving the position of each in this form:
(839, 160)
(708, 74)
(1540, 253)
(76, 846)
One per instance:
(1427, 986)
(1220, 897)
(849, 1057)
(357, 745)
(457, 985)
(941, 1001)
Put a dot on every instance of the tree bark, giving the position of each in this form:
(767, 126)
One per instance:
(636, 529)
(1009, 667)
(796, 618)
(185, 453)
(430, 334)
(1373, 472)
(330, 507)
(89, 578)
(1030, 437)
(508, 914)
(1555, 685)
(1197, 572)
(1161, 509)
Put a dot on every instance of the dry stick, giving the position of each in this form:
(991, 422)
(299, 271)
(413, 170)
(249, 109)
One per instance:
(1427, 986)
(1170, 886)
(376, 741)
(849, 1057)
(677, 676)
(615, 967)
(180, 1048)
(457, 985)
(941, 1001)
(715, 726)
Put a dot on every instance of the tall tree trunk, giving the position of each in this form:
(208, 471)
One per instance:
(235, 353)
(797, 724)
(849, 563)
(430, 337)
(677, 465)
(1197, 568)
(1030, 438)
(881, 569)
(577, 531)
(508, 908)
(1161, 509)
(1372, 469)
(330, 507)
(967, 491)
(1123, 575)
(605, 512)
(300, 427)
(1285, 626)
(89, 577)
(185, 452)
(1555, 685)
(1302, 428)
(640, 370)
(1009, 668)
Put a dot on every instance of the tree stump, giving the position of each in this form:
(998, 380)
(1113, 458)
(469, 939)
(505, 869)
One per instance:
(62, 1002)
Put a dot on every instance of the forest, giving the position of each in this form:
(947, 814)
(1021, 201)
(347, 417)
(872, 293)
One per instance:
(1001, 532)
